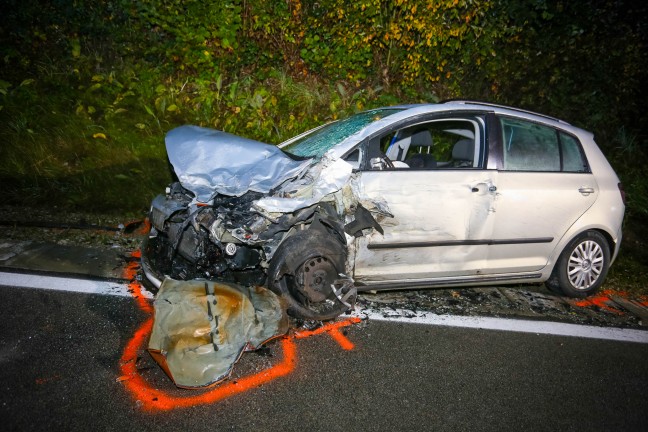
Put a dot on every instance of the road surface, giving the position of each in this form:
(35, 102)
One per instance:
(62, 357)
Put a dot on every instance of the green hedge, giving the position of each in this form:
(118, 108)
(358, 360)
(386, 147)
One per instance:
(91, 87)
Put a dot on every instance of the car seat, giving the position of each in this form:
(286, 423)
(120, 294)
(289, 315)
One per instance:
(422, 138)
(398, 147)
(463, 153)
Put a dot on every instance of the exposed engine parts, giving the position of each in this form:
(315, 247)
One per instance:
(200, 241)
(253, 214)
(301, 254)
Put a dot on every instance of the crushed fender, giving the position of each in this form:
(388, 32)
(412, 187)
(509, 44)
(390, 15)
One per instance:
(201, 328)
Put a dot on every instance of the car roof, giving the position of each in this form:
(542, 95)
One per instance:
(471, 105)
(449, 106)
(482, 105)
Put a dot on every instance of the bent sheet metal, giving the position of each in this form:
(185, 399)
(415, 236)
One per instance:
(201, 328)
(208, 162)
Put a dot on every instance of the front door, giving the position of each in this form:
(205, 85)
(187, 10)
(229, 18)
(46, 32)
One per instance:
(442, 222)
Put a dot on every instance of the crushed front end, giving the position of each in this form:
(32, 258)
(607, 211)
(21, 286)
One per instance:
(222, 240)
(248, 213)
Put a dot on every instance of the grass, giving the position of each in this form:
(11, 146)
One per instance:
(630, 270)
(51, 157)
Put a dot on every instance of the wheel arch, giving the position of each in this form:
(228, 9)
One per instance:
(561, 280)
(578, 230)
(293, 253)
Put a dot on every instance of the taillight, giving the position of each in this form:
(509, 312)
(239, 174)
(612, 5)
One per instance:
(623, 194)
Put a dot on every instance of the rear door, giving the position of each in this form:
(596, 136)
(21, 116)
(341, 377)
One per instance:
(544, 185)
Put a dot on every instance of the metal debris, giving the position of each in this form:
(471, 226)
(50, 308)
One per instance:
(201, 328)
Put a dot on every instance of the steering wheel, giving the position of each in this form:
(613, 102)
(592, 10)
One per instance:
(388, 162)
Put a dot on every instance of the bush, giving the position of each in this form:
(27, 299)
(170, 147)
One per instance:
(88, 88)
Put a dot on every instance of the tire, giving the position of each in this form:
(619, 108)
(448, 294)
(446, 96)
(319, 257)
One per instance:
(582, 266)
(303, 270)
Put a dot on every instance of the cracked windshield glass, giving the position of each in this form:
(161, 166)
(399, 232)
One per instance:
(320, 141)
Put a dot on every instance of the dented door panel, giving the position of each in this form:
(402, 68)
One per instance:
(442, 222)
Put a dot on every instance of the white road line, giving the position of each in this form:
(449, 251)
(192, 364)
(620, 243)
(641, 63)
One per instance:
(402, 316)
(56, 283)
(509, 324)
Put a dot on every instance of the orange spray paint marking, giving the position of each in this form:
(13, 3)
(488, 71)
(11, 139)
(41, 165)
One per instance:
(41, 381)
(602, 301)
(134, 287)
(145, 228)
(599, 300)
(643, 300)
(333, 330)
(153, 399)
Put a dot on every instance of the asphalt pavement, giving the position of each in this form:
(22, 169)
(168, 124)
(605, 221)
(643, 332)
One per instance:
(62, 369)
(72, 357)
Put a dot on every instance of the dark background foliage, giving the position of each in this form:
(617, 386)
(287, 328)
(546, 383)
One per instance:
(88, 88)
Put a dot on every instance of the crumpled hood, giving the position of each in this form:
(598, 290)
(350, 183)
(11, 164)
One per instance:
(209, 161)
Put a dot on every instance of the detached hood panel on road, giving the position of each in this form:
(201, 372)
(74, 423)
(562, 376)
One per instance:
(201, 328)
(208, 162)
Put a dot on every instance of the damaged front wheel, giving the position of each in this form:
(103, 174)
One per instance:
(307, 270)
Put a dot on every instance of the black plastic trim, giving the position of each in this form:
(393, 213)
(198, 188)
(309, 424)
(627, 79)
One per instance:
(370, 286)
(459, 243)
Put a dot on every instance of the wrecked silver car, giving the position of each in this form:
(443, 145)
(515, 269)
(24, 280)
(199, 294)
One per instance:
(449, 194)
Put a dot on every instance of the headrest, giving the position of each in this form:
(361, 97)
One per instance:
(464, 149)
(422, 138)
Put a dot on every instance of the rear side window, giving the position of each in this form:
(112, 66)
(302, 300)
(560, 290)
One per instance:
(572, 156)
(533, 147)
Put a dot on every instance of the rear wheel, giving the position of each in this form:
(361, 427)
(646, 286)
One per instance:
(582, 266)
(306, 271)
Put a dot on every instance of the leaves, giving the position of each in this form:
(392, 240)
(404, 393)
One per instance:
(272, 69)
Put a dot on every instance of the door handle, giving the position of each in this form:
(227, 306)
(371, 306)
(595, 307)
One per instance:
(491, 188)
(586, 190)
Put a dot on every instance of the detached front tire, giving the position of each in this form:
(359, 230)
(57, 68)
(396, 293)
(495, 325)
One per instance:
(305, 270)
(582, 266)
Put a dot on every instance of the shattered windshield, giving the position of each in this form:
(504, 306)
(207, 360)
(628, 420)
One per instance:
(324, 138)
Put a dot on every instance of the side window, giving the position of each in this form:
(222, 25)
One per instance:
(529, 146)
(353, 158)
(572, 156)
(444, 143)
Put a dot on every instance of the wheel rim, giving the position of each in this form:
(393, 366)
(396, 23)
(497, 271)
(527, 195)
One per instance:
(317, 274)
(586, 263)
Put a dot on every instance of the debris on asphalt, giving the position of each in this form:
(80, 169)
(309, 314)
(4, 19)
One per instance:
(17, 245)
(201, 328)
(609, 308)
(19, 224)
